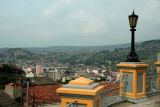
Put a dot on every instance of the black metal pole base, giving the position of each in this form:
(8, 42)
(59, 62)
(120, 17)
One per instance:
(132, 57)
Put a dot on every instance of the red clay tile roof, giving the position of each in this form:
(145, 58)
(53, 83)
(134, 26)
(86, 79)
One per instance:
(43, 93)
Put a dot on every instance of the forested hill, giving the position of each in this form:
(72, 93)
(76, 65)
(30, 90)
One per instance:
(19, 56)
(147, 52)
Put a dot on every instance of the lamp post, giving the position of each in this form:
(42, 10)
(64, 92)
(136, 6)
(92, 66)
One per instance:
(28, 81)
(133, 57)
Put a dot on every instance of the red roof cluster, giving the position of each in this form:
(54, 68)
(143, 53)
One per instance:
(42, 94)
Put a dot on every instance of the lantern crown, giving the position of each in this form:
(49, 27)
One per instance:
(133, 20)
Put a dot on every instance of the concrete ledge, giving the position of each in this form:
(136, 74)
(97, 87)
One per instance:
(132, 63)
(81, 81)
(77, 96)
(138, 100)
(89, 87)
(135, 68)
(157, 64)
(94, 92)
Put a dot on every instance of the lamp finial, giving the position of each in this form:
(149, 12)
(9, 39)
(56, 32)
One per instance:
(133, 11)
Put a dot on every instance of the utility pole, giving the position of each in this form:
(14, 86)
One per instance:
(33, 98)
(28, 80)
(14, 92)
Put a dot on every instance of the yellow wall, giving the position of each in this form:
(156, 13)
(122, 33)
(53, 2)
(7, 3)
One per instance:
(81, 81)
(135, 72)
(88, 102)
(158, 69)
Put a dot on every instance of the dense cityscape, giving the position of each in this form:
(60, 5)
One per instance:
(58, 68)
(79, 53)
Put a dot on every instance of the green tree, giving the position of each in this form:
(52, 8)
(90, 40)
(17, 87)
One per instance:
(59, 81)
(8, 73)
(66, 82)
(67, 72)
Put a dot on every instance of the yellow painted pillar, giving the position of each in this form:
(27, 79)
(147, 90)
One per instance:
(158, 69)
(84, 90)
(136, 81)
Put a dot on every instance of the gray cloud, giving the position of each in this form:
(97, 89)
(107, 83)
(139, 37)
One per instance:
(75, 22)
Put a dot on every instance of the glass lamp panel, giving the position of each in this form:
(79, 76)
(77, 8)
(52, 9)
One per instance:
(134, 22)
(130, 21)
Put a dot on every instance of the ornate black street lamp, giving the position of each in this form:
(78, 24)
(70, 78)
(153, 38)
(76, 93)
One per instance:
(133, 57)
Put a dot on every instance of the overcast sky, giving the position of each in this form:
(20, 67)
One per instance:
(41, 23)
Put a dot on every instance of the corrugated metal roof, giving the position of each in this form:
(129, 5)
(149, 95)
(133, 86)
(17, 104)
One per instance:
(42, 81)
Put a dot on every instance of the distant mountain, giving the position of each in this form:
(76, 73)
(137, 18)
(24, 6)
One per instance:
(73, 48)
(76, 48)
